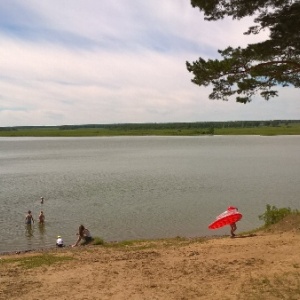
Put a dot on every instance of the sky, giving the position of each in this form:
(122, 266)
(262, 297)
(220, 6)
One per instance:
(117, 61)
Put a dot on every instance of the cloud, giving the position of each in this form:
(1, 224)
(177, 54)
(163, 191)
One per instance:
(78, 62)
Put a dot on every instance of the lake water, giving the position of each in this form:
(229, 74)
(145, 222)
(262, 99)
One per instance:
(125, 188)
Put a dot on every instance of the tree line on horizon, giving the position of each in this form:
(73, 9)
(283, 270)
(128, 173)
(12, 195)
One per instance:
(171, 125)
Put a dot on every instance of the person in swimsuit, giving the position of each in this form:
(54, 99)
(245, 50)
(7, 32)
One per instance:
(232, 229)
(83, 233)
(232, 225)
(29, 218)
(41, 217)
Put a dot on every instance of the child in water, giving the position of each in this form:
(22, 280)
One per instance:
(41, 217)
(59, 242)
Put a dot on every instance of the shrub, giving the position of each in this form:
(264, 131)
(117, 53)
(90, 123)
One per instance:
(98, 241)
(273, 214)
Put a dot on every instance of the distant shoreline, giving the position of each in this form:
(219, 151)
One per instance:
(262, 128)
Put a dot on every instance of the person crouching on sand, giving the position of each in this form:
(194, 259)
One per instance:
(83, 233)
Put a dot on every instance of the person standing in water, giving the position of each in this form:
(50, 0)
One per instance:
(42, 200)
(29, 218)
(41, 217)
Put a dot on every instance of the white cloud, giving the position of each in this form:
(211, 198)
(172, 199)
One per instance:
(116, 61)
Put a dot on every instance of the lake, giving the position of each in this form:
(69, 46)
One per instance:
(125, 188)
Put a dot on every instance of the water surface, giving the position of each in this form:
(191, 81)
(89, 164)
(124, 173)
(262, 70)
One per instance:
(140, 187)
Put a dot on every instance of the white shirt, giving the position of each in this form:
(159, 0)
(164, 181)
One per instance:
(59, 241)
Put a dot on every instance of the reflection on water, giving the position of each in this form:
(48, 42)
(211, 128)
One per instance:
(31, 233)
(42, 229)
(29, 230)
(42, 232)
(140, 187)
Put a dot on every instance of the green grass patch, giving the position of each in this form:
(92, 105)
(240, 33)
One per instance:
(97, 241)
(31, 262)
(152, 244)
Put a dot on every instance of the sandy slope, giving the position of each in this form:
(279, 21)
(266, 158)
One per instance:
(261, 266)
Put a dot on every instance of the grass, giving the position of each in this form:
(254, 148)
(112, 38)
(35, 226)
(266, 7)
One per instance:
(148, 244)
(97, 241)
(31, 262)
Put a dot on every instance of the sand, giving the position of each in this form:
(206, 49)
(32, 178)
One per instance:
(264, 265)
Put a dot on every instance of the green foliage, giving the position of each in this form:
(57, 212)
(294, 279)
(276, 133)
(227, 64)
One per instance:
(259, 67)
(98, 241)
(273, 215)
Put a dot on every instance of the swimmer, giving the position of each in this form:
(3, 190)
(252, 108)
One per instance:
(41, 217)
(29, 218)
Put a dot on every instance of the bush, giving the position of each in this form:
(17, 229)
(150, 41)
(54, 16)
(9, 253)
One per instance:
(98, 241)
(273, 214)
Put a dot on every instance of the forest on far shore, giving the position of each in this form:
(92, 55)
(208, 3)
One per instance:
(271, 127)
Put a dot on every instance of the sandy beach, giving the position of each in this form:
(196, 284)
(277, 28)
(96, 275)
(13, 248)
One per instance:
(260, 265)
